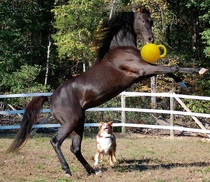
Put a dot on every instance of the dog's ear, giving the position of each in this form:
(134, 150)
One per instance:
(101, 123)
(110, 123)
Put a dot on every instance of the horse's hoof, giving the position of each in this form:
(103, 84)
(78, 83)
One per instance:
(203, 71)
(67, 175)
(98, 172)
(91, 172)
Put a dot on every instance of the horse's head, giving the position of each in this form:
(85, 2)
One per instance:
(143, 25)
(122, 30)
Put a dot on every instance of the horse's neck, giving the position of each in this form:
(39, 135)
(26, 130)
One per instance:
(128, 40)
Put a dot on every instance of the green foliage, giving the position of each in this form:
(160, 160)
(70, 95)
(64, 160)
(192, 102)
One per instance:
(204, 8)
(22, 43)
(20, 29)
(75, 23)
(22, 81)
(206, 40)
(198, 106)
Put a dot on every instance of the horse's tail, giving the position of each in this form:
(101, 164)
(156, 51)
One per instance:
(29, 118)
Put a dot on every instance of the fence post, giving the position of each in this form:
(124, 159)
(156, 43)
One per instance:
(171, 115)
(123, 129)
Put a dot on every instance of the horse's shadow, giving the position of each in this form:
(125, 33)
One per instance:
(148, 164)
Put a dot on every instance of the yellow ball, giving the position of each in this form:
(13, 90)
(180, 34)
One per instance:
(151, 52)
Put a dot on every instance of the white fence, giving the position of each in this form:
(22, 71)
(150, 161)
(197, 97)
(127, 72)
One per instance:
(123, 110)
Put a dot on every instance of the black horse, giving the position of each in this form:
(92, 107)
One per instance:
(116, 68)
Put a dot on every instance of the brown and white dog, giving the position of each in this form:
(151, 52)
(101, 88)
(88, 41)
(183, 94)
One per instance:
(106, 143)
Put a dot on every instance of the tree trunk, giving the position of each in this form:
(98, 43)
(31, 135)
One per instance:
(48, 61)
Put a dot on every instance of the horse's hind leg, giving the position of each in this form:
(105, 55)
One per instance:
(68, 121)
(57, 141)
(76, 137)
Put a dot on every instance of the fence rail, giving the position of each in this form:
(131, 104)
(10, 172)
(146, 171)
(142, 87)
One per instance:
(123, 109)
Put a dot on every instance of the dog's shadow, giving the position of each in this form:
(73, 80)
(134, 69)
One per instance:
(148, 164)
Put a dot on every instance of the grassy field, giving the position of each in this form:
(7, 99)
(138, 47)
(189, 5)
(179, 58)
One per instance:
(140, 159)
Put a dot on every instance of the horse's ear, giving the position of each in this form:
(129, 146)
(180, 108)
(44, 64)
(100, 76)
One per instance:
(145, 10)
(133, 7)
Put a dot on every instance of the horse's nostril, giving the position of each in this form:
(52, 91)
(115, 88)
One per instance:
(150, 39)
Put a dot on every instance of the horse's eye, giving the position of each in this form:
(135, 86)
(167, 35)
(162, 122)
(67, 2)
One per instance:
(142, 19)
(151, 22)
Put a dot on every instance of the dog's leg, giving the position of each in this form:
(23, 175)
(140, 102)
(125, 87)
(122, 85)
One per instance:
(114, 145)
(114, 157)
(96, 158)
(111, 162)
(102, 157)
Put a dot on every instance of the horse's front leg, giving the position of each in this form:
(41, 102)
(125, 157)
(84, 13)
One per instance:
(150, 69)
(199, 71)
(156, 69)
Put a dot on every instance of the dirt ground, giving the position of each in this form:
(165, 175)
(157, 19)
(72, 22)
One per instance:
(141, 158)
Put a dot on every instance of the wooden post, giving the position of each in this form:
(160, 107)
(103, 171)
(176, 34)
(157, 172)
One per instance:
(123, 129)
(171, 116)
(188, 110)
(153, 81)
(153, 90)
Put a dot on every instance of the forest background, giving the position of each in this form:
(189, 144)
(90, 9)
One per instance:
(44, 43)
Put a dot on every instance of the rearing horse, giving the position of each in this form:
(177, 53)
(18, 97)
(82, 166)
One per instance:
(115, 69)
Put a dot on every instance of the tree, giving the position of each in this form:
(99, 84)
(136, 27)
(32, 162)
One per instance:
(23, 33)
(205, 6)
(75, 24)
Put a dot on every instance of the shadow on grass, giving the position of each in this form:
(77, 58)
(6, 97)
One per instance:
(5, 134)
(148, 164)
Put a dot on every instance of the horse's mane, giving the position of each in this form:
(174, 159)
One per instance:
(109, 28)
